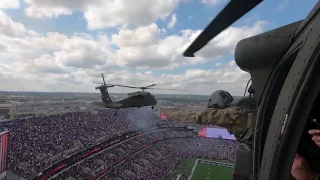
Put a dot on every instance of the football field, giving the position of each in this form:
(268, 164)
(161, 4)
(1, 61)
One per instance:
(200, 169)
(211, 170)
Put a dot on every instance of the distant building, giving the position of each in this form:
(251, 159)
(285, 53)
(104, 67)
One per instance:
(4, 110)
(43, 108)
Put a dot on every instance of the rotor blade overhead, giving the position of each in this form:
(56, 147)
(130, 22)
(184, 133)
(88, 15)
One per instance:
(103, 79)
(230, 14)
(151, 85)
(97, 82)
(168, 89)
(104, 86)
(125, 86)
(134, 87)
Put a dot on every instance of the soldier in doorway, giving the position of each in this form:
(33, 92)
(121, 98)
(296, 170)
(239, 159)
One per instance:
(237, 116)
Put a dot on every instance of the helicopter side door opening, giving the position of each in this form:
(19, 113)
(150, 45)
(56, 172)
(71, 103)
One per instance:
(284, 68)
(292, 112)
(307, 148)
(268, 70)
(267, 105)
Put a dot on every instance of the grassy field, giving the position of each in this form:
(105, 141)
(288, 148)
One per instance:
(199, 169)
(212, 170)
(184, 168)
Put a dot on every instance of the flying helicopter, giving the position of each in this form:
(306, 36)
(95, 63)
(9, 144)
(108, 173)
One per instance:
(135, 99)
(284, 68)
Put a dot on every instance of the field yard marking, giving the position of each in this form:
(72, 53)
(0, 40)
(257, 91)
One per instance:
(193, 168)
(219, 163)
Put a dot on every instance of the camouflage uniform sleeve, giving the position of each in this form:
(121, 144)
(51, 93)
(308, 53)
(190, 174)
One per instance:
(238, 121)
(182, 117)
(175, 116)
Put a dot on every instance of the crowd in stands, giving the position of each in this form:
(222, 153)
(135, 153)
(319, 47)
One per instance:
(113, 155)
(152, 162)
(37, 143)
(168, 153)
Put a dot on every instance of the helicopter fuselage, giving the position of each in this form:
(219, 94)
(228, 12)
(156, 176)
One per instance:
(138, 99)
(135, 99)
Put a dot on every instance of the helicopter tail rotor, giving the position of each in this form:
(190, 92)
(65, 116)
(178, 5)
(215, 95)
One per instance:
(104, 90)
(103, 85)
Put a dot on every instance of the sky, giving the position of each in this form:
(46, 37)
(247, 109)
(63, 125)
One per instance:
(64, 45)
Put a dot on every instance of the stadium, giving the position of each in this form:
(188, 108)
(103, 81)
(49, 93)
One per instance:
(135, 144)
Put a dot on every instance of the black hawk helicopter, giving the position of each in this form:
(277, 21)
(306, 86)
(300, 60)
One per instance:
(284, 68)
(135, 99)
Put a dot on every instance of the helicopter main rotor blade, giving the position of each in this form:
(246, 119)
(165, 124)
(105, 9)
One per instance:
(149, 86)
(103, 79)
(168, 89)
(230, 14)
(125, 86)
(103, 86)
(97, 82)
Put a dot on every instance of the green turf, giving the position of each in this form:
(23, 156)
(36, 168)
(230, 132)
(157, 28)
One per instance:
(206, 170)
(183, 168)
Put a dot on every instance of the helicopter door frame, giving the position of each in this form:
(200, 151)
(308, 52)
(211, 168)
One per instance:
(293, 106)
(267, 105)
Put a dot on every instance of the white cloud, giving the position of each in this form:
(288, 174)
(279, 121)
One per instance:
(45, 64)
(283, 4)
(211, 2)
(141, 36)
(148, 49)
(57, 62)
(196, 81)
(138, 12)
(190, 17)
(148, 72)
(54, 8)
(173, 21)
(105, 13)
(12, 4)
(227, 40)
(9, 27)
(53, 53)
(76, 51)
(163, 30)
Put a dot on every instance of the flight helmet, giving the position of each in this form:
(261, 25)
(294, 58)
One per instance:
(219, 99)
